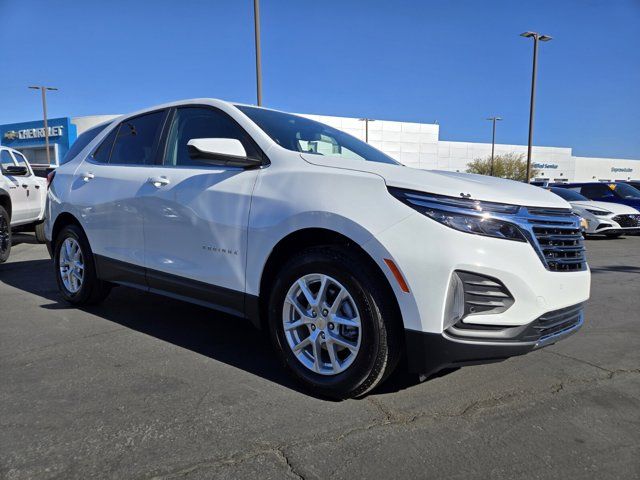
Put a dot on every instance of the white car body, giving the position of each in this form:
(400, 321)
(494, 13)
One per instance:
(25, 195)
(602, 218)
(220, 226)
(611, 218)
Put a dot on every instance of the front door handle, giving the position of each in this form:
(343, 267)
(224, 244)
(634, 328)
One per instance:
(24, 185)
(37, 187)
(88, 176)
(159, 181)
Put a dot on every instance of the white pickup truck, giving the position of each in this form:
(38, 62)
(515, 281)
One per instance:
(22, 198)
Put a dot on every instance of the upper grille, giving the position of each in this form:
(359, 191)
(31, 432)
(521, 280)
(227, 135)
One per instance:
(558, 239)
(627, 221)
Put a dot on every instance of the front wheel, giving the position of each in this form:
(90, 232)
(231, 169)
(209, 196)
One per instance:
(75, 268)
(333, 323)
(5, 235)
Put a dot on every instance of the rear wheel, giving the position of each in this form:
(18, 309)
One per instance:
(332, 323)
(40, 237)
(75, 269)
(5, 235)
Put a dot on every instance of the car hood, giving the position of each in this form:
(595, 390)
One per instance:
(617, 208)
(452, 184)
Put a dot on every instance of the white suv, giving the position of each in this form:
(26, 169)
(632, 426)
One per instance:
(348, 258)
(22, 198)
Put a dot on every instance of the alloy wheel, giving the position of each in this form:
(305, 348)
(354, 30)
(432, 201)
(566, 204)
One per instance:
(71, 265)
(322, 324)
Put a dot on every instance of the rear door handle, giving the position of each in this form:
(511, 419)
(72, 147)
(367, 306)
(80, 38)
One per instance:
(88, 176)
(24, 185)
(159, 181)
(38, 187)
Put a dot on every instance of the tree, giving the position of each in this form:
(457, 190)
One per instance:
(510, 165)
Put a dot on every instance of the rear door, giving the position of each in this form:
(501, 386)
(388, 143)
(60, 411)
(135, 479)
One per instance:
(196, 222)
(17, 189)
(107, 191)
(35, 190)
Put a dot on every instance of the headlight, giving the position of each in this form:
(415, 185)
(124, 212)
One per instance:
(599, 213)
(470, 216)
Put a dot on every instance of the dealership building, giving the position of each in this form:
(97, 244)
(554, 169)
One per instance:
(413, 144)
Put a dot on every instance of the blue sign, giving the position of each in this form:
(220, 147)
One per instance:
(27, 135)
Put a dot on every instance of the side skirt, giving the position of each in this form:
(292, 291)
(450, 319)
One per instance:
(217, 298)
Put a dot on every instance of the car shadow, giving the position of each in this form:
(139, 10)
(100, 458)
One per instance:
(616, 268)
(224, 338)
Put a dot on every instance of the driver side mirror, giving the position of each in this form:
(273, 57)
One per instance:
(227, 152)
(17, 170)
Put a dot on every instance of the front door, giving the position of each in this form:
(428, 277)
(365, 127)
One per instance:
(196, 219)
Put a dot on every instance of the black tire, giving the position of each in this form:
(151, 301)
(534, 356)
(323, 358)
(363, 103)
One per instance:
(5, 235)
(40, 237)
(613, 235)
(381, 339)
(93, 290)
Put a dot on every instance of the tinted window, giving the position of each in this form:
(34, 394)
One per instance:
(568, 195)
(103, 152)
(6, 159)
(623, 190)
(81, 142)
(199, 122)
(20, 159)
(308, 136)
(137, 139)
(596, 191)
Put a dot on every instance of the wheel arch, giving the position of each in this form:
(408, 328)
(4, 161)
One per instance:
(62, 220)
(300, 240)
(5, 201)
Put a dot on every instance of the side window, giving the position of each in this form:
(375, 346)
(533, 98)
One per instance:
(103, 152)
(199, 122)
(20, 160)
(6, 159)
(137, 140)
(81, 142)
(595, 192)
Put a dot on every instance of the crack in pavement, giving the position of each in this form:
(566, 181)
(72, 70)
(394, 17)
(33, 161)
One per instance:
(390, 419)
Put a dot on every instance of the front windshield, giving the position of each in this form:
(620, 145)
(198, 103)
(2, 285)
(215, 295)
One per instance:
(569, 195)
(623, 190)
(302, 135)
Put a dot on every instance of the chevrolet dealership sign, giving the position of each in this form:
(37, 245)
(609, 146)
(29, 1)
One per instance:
(27, 133)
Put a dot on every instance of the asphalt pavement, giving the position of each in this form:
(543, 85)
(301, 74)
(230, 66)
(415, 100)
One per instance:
(147, 387)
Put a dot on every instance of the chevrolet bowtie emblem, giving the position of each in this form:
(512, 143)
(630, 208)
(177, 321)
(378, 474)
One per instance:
(10, 135)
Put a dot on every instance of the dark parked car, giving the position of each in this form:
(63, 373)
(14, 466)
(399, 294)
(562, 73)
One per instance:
(613, 192)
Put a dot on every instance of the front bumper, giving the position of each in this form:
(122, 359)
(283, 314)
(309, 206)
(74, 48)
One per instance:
(428, 353)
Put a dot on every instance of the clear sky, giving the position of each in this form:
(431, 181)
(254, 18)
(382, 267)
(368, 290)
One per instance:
(451, 61)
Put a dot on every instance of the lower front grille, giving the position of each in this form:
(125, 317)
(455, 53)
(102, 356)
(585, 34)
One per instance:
(627, 221)
(553, 323)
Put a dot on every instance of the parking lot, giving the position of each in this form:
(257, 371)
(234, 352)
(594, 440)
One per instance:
(147, 387)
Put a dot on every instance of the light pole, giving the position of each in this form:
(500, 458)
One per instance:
(256, 24)
(543, 38)
(43, 90)
(494, 119)
(366, 127)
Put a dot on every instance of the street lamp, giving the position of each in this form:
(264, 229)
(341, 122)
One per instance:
(43, 90)
(366, 127)
(256, 24)
(494, 119)
(543, 38)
